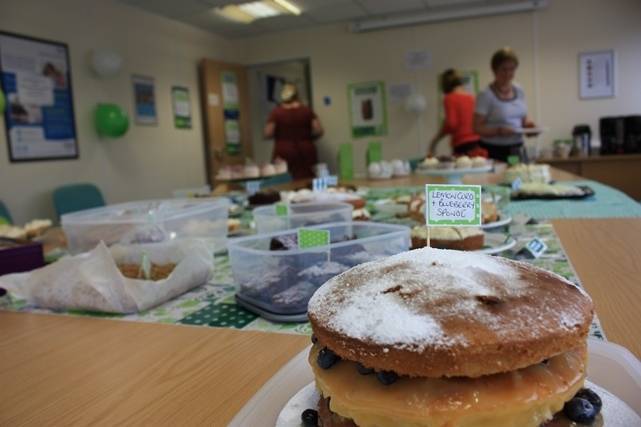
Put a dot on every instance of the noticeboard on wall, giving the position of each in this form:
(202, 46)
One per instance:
(368, 109)
(144, 100)
(597, 74)
(35, 76)
(181, 106)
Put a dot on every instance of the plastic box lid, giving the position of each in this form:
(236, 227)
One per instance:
(144, 211)
(247, 243)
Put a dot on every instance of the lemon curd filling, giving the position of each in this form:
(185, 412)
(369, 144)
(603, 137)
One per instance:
(525, 397)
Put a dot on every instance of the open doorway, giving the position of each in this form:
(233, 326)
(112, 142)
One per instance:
(265, 83)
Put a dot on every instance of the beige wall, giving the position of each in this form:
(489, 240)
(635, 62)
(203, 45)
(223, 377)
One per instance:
(548, 44)
(152, 161)
(147, 162)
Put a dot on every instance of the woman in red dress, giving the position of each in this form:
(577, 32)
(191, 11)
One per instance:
(294, 127)
(459, 118)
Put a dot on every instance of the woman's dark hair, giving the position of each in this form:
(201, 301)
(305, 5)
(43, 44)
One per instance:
(503, 55)
(450, 79)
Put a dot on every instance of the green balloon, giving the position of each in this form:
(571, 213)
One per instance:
(111, 120)
(3, 102)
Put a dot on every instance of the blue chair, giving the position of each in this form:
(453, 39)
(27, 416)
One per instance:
(4, 213)
(76, 197)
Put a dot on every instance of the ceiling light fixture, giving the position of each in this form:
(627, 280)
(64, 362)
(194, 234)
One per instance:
(259, 9)
(289, 6)
(250, 11)
(446, 15)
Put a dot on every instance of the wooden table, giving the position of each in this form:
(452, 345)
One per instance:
(622, 171)
(63, 370)
(416, 180)
(606, 254)
(76, 370)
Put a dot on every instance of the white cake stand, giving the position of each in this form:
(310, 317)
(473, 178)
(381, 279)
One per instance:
(453, 175)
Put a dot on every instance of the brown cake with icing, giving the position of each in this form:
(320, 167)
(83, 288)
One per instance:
(457, 238)
(446, 338)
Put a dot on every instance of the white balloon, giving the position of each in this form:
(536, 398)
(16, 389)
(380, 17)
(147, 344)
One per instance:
(106, 63)
(416, 103)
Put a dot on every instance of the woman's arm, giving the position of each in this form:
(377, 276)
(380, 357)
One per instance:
(449, 124)
(270, 126)
(435, 140)
(268, 131)
(481, 128)
(527, 123)
(317, 128)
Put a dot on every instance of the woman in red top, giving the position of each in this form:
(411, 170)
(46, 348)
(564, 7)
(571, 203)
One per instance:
(294, 126)
(459, 118)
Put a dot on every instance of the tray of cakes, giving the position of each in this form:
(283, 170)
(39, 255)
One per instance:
(473, 239)
(397, 168)
(149, 221)
(551, 191)
(276, 218)
(453, 168)
(250, 171)
(332, 194)
(447, 338)
(276, 278)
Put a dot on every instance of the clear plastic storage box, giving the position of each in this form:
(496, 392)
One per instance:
(282, 281)
(148, 221)
(301, 215)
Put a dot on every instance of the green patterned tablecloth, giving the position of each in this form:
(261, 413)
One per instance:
(213, 304)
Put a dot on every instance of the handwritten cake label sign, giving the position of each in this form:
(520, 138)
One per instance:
(252, 187)
(536, 247)
(319, 184)
(449, 205)
(322, 183)
(309, 238)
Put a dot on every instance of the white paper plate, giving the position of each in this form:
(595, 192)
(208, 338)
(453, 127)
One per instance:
(505, 220)
(615, 412)
(496, 243)
(610, 366)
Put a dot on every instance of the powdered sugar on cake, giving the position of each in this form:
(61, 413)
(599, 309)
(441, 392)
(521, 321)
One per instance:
(421, 298)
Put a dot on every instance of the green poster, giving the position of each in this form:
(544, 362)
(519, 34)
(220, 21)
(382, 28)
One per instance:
(374, 152)
(346, 161)
(231, 112)
(367, 109)
(181, 107)
(229, 90)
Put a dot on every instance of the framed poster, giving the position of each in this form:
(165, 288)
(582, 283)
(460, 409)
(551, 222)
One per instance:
(368, 109)
(181, 106)
(35, 76)
(596, 74)
(231, 112)
(144, 100)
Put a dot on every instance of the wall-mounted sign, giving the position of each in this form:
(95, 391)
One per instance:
(231, 112)
(181, 106)
(597, 74)
(368, 109)
(39, 117)
(144, 100)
